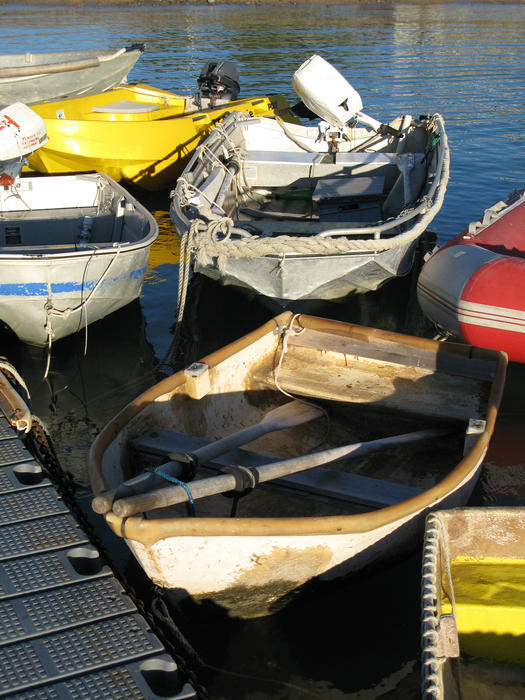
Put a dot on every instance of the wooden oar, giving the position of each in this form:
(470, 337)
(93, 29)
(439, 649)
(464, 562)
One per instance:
(211, 486)
(285, 416)
(146, 481)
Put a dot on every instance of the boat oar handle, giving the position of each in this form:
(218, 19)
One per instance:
(125, 507)
(286, 416)
(139, 484)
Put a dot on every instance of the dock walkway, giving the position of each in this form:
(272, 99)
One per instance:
(67, 627)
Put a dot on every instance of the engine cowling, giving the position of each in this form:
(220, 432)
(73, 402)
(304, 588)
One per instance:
(22, 131)
(330, 96)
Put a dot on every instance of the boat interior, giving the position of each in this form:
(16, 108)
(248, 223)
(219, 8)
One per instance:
(135, 102)
(40, 213)
(368, 388)
(284, 182)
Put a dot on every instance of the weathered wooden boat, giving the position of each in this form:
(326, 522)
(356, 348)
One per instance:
(35, 77)
(140, 134)
(73, 248)
(473, 287)
(473, 604)
(292, 212)
(402, 422)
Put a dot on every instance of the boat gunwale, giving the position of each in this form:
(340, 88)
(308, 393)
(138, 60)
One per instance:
(150, 531)
(514, 200)
(76, 55)
(98, 121)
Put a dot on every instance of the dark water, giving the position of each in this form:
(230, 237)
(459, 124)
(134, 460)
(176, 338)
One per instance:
(465, 60)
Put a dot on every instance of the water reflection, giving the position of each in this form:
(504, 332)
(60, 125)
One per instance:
(86, 383)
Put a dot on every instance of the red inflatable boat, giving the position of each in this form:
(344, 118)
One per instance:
(474, 286)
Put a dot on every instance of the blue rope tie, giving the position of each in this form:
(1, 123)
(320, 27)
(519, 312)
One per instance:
(174, 480)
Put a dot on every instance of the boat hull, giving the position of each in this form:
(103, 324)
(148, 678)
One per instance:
(474, 287)
(52, 296)
(280, 281)
(49, 291)
(303, 527)
(256, 576)
(298, 224)
(57, 81)
(147, 150)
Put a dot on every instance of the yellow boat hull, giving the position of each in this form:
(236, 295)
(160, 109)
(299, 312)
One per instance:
(136, 134)
(473, 604)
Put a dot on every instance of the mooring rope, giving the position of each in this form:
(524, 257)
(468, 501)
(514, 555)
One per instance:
(53, 311)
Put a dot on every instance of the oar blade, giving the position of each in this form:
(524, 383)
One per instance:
(291, 414)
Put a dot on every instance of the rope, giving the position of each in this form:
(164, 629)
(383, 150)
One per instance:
(51, 310)
(293, 138)
(178, 482)
(284, 348)
(13, 189)
(285, 334)
(185, 259)
(329, 242)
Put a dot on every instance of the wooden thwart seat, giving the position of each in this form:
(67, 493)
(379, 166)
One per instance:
(318, 482)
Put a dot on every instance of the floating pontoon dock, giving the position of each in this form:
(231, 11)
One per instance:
(68, 628)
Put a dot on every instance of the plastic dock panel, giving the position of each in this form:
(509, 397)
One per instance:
(68, 630)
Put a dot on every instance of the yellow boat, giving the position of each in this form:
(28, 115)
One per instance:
(473, 604)
(137, 134)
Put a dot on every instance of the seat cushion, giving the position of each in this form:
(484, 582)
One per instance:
(126, 107)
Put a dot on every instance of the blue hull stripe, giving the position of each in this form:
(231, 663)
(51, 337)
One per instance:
(40, 289)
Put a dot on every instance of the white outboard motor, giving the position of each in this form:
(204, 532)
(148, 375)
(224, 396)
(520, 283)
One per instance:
(22, 131)
(331, 97)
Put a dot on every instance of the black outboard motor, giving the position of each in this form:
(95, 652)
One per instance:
(219, 80)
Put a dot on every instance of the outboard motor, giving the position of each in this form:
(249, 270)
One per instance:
(219, 80)
(327, 94)
(22, 131)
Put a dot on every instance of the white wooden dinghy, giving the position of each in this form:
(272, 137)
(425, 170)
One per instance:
(73, 248)
(399, 426)
(291, 212)
(35, 77)
(473, 604)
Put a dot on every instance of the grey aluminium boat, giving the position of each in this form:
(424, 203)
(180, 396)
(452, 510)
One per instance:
(35, 77)
(291, 212)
